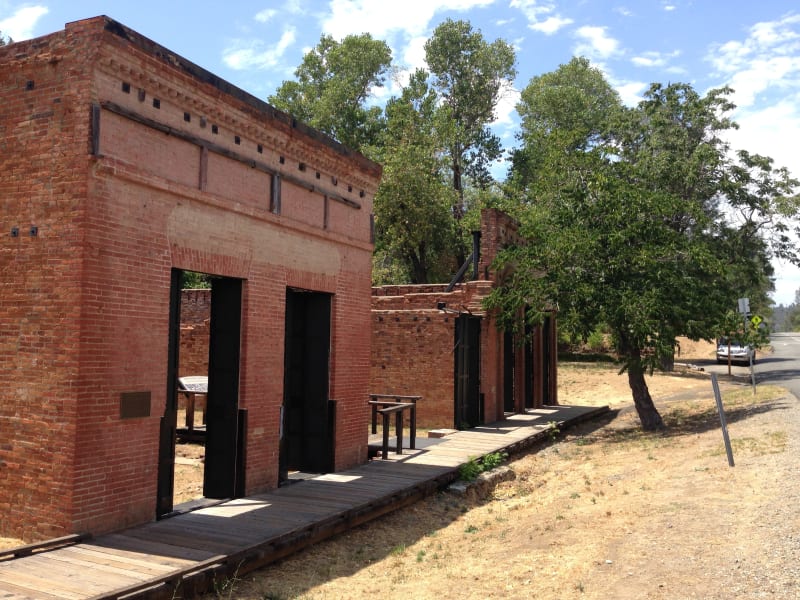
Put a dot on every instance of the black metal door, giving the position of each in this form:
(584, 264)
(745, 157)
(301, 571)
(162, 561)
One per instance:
(307, 443)
(468, 408)
(166, 444)
(548, 345)
(222, 410)
(508, 372)
(529, 378)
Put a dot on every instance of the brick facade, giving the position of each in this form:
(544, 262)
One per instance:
(414, 339)
(119, 162)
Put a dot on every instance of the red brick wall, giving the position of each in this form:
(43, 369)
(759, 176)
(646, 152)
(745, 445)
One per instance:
(498, 230)
(85, 304)
(40, 282)
(195, 318)
(412, 355)
(412, 345)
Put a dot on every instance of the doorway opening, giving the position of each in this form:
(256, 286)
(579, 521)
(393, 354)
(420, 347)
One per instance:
(509, 368)
(308, 417)
(202, 409)
(468, 401)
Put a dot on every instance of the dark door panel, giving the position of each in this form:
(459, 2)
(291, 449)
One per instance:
(468, 405)
(222, 412)
(508, 372)
(307, 443)
(168, 426)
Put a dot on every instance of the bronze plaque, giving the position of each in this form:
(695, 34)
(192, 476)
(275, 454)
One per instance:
(133, 405)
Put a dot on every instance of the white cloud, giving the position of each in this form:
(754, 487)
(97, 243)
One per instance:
(256, 55)
(542, 16)
(414, 53)
(768, 59)
(786, 284)
(776, 33)
(771, 130)
(266, 15)
(410, 18)
(595, 43)
(630, 92)
(550, 25)
(654, 59)
(20, 25)
(764, 71)
(505, 111)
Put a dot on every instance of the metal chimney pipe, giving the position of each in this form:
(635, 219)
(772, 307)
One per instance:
(476, 253)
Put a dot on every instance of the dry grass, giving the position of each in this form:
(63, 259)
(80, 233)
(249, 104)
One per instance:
(608, 511)
(605, 511)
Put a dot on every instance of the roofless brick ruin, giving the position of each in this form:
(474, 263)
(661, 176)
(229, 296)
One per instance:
(123, 165)
(123, 168)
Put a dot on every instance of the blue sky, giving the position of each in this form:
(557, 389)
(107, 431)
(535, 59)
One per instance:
(752, 46)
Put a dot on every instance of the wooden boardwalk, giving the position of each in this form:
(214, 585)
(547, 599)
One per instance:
(181, 556)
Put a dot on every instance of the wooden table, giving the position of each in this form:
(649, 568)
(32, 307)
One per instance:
(191, 387)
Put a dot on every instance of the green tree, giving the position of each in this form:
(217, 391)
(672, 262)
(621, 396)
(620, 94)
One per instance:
(469, 74)
(563, 114)
(4, 40)
(626, 228)
(754, 205)
(333, 87)
(412, 208)
(606, 254)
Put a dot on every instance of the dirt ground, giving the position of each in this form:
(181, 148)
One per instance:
(601, 511)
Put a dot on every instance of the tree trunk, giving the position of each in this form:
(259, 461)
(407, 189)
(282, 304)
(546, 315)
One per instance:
(667, 362)
(459, 210)
(648, 414)
(419, 270)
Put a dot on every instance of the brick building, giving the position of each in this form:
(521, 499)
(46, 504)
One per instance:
(442, 345)
(123, 165)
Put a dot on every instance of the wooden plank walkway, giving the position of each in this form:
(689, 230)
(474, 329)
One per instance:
(181, 556)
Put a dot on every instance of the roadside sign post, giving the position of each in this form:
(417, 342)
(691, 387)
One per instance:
(722, 421)
(744, 306)
(744, 310)
(755, 321)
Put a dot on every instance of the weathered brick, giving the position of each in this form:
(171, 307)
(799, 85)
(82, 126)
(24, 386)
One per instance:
(84, 303)
(413, 341)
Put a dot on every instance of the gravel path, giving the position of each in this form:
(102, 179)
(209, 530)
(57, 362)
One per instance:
(769, 566)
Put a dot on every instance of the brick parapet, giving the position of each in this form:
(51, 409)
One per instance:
(85, 309)
(498, 231)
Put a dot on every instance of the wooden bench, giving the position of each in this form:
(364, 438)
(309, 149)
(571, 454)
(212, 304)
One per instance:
(388, 404)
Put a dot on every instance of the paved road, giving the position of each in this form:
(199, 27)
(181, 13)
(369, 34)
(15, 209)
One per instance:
(782, 367)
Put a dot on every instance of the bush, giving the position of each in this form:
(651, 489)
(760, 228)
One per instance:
(597, 341)
(470, 470)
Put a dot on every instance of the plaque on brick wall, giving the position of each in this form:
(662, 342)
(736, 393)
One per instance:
(133, 405)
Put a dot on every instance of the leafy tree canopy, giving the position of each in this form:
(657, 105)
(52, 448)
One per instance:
(470, 75)
(334, 83)
(413, 206)
(628, 216)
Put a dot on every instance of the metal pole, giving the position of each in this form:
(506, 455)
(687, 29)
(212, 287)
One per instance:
(744, 341)
(724, 425)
